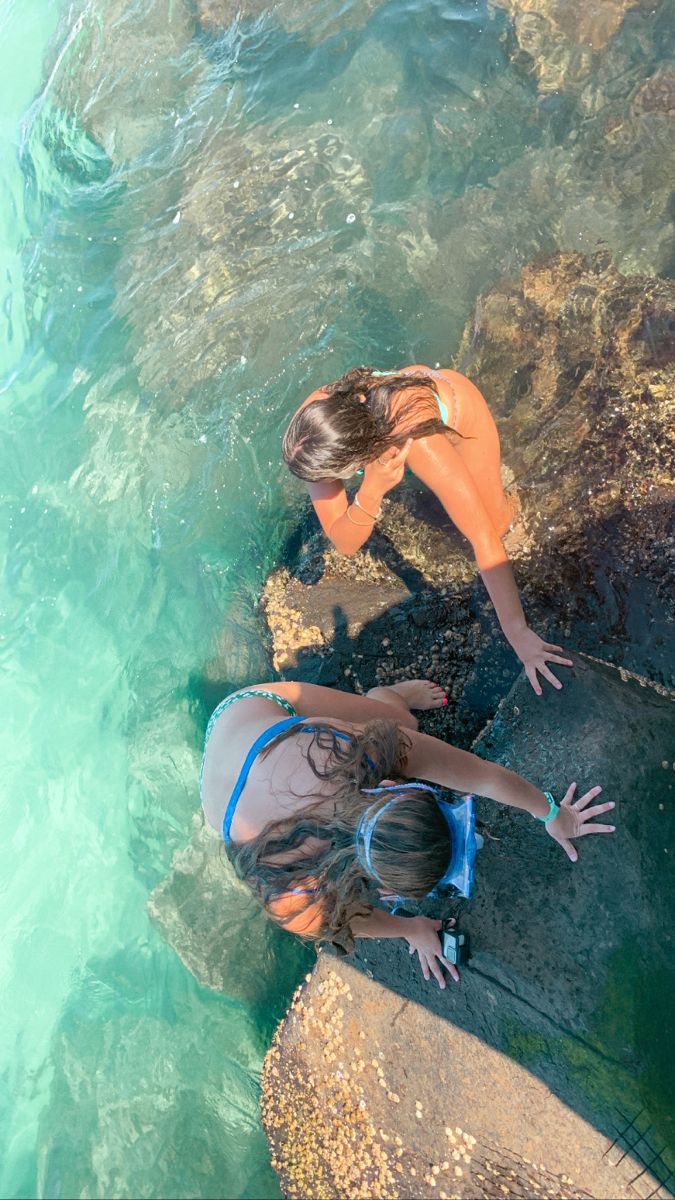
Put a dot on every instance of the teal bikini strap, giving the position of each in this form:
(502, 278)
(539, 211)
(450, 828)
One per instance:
(286, 704)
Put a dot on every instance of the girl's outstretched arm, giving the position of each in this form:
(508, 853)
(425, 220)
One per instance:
(429, 758)
(421, 934)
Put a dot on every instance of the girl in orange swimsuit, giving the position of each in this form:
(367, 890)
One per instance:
(437, 423)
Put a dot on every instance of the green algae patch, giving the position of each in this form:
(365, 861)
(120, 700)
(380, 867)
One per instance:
(622, 1069)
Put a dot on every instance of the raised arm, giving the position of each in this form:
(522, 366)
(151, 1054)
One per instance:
(349, 525)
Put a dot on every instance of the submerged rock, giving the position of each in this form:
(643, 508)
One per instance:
(314, 22)
(523, 1080)
(560, 42)
(657, 94)
(153, 1087)
(610, 190)
(220, 932)
(123, 71)
(240, 269)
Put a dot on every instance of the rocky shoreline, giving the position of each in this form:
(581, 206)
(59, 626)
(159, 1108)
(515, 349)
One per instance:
(577, 362)
(545, 1072)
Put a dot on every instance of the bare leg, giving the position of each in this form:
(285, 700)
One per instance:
(480, 451)
(313, 700)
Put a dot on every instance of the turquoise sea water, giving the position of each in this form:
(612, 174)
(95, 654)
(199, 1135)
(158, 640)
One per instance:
(200, 221)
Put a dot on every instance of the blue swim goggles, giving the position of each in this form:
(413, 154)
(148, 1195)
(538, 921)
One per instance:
(461, 819)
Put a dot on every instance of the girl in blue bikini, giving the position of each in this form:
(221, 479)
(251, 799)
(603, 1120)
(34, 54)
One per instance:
(375, 423)
(316, 796)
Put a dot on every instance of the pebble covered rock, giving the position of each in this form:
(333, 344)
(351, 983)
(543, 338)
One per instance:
(337, 1128)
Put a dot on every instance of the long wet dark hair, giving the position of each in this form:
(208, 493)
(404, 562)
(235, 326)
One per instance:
(335, 436)
(410, 848)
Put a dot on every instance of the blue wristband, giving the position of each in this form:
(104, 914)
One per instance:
(553, 809)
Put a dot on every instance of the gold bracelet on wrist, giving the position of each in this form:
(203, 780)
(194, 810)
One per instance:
(361, 524)
(373, 516)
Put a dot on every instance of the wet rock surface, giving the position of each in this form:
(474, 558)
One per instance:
(578, 364)
(408, 606)
(554, 1041)
(572, 964)
(346, 1116)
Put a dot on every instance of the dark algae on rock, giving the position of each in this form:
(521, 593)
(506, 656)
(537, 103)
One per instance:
(579, 364)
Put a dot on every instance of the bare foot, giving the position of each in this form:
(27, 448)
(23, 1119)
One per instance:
(419, 693)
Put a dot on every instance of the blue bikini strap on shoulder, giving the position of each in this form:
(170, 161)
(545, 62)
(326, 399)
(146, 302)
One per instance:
(339, 732)
(266, 736)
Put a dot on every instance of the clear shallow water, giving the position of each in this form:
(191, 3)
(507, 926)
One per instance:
(197, 226)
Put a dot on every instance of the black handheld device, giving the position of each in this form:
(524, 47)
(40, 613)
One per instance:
(455, 945)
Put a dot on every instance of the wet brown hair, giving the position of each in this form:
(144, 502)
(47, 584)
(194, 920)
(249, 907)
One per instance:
(333, 437)
(411, 843)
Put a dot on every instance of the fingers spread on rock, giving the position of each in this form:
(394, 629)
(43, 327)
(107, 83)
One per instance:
(532, 676)
(437, 971)
(596, 829)
(550, 676)
(587, 797)
(597, 810)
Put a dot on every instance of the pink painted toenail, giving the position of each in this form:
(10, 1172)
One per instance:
(445, 699)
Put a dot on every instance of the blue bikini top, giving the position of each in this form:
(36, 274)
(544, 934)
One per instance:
(459, 815)
(260, 742)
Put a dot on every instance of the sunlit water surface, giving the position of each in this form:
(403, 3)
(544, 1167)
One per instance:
(197, 226)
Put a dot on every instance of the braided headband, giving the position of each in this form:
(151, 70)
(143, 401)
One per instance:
(461, 821)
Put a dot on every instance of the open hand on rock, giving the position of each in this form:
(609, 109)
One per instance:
(572, 820)
(534, 653)
(422, 938)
